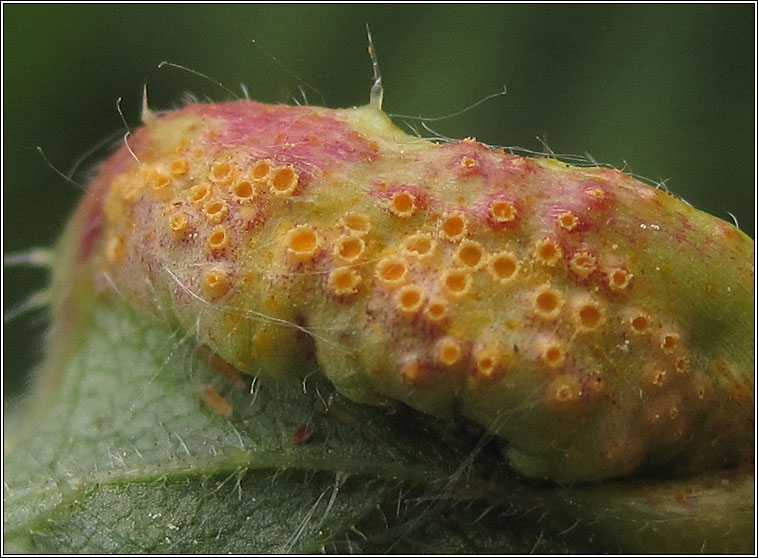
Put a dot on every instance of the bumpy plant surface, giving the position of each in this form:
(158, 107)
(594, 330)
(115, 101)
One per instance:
(282, 328)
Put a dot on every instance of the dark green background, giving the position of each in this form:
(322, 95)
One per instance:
(668, 89)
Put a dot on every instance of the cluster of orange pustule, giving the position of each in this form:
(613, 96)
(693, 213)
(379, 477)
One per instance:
(535, 298)
(195, 202)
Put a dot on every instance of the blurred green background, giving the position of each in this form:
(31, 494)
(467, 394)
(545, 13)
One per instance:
(666, 89)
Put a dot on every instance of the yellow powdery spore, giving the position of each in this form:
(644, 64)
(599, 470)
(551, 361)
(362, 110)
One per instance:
(583, 263)
(179, 223)
(503, 211)
(349, 248)
(547, 252)
(218, 239)
(403, 204)
(303, 243)
(568, 221)
(471, 255)
(356, 223)
(503, 266)
(284, 181)
(588, 314)
(243, 191)
(532, 297)
(449, 351)
(437, 310)
(391, 271)
(419, 246)
(547, 302)
(453, 226)
(344, 281)
(216, 282)
(410, 299)
(456, 283)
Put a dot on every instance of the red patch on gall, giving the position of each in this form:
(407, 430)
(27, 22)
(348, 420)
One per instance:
(516, 166)
(311, 136)
(499, 211)
(468, 158)
(568, 214)
(596, 195)
(386, 193)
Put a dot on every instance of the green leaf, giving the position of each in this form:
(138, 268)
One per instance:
(127, 457)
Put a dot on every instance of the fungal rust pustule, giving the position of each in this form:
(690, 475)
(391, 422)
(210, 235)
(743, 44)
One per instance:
(480, 282)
